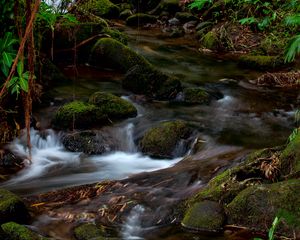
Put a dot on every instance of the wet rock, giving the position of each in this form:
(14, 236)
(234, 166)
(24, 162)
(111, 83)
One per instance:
(89, 231)
(190, 26)
(126, 14)
(176, 33)
(184, 17)
(101, 109)
(102, 8)
(89, 142)
(195, 96)
(116, 55)
(174, 22)
(257, 206)
(210, 40)
(12, 207)
(204, 216)
(114, 107)
(151, 82)
(140, 19)
(260, 62)
(14, 231)
(162, 140)
(8, 160)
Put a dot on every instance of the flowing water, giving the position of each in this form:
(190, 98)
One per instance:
(245, 118)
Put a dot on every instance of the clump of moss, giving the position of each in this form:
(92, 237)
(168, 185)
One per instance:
(114, 107)
(257, 206)
(161, 141)
(126, 14)
(102, 8)
(210, 40)
(117, 35)
(205, 216)
(195, 95)
(116, 54)
(77, 113)
(260, 62)
(11, 207)
(140, 19)
(88, 231)
(15, 231)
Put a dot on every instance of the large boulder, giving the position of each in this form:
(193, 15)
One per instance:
(102, 8)
(146, 80)
(116, 55)
(140, 19)
(89, 142)
(101, 109)
(257, 206)
(161, 141)
(12, 207)
(14, 231)
(205, 216)
(90, 231)
(260, 62)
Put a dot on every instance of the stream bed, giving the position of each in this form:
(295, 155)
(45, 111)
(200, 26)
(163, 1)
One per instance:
(244, 119)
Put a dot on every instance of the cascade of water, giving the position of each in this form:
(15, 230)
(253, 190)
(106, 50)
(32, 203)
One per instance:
(132, 227)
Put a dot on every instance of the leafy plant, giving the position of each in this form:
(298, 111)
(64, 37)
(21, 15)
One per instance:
(200, 4)
(19, 82)
(7, 52)
(292, 49)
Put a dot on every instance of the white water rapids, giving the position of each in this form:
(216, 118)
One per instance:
(54, 167)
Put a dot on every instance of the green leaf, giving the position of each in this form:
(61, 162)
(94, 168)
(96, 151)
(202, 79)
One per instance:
(7, 58)
(5, 70)
(12, 82)
(247, 21)
(24, 84)
(292, 20)
(20, 68)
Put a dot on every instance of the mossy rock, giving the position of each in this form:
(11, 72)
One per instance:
(101, 8)
(140, 19)
(257, 206)
(12, 208)
(184, 17)
(161, 141)
(196, 96)
(101, 109)
(89, 231)
(115, 55)
(290, 156)
(15, 231)
(117, 35)
(260, 62)
(204, 216)
(211, 41)
(114, 107)
(125, 6)
(126, 14)
(170, 6)
(151, 82)
(78, 114)
(89, 142)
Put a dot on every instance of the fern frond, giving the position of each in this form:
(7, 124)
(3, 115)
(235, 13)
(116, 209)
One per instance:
(292, 49)
(292, 20)
(200, 4)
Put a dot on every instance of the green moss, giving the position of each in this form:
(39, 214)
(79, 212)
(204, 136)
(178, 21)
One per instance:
(88, 231)
(116, 54)
(11, 207)
(114, 107)
(257, 206)
(102, 8)
(210, 40)
(161, 141)
(15, 231)
(260, 62)
(196, 96)
(290, 156)
(117, 35)
(80, 114)
(205, 216)
(140, 19)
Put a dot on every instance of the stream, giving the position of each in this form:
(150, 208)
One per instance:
(246, 118)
